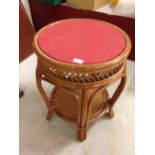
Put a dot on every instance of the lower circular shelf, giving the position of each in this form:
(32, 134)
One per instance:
(67, 102)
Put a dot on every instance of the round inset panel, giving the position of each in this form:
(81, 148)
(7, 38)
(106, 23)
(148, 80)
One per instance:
(81, 41)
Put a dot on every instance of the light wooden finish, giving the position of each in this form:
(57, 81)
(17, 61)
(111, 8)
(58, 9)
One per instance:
(80, 93)
(88, 4)
(115, 1)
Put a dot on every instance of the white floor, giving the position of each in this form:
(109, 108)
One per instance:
(58, 137)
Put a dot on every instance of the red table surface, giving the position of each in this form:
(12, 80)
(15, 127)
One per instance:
(82, 41)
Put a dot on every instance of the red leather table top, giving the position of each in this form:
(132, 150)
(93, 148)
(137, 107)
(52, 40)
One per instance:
(81, 41)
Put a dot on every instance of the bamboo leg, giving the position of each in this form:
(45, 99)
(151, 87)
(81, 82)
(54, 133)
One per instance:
(117, 93)
(43, 94)
(82, 125)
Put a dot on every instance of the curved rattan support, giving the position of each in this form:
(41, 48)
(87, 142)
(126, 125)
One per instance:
(100, 89)
(43, 94)
(83, 115)
(117, 93)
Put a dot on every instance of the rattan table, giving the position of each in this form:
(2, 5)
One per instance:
(81, 57)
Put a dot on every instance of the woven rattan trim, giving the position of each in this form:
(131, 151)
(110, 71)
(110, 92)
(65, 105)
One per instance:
(79, 77)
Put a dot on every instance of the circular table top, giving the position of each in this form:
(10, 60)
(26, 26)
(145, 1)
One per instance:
(81, 41)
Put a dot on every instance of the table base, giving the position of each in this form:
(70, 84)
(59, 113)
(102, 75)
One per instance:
(80, 104)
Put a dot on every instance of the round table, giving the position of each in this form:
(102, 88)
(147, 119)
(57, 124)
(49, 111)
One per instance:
(81, 57)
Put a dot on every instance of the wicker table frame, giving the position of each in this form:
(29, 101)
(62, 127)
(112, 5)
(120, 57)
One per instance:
(90, 79)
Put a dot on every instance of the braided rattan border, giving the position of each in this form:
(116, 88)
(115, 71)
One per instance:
(79, 77)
